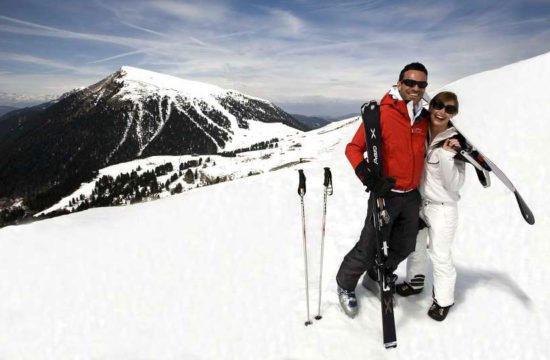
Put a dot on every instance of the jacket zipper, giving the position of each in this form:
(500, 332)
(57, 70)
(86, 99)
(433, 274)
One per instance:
(412, 156)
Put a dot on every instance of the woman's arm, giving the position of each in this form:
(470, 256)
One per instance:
(452, 172)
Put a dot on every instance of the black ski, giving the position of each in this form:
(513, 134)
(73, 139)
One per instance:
(483, 165)
(371, 120)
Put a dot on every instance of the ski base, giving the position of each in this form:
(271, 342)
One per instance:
(371, 120)
(388, 319)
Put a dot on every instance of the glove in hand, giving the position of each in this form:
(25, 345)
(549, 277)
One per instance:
(378, 185)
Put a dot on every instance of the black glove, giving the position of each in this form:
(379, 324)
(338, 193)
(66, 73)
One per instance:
(378, 185)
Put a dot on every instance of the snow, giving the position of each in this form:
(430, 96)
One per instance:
(256, 162)
(218, 272)
(138, 79)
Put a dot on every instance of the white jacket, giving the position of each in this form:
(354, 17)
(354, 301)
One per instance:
(443, 175)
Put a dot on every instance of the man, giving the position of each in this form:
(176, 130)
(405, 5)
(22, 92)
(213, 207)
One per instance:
(404, 127)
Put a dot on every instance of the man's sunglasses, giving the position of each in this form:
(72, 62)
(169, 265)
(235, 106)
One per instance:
(449, 109)
(412, 83)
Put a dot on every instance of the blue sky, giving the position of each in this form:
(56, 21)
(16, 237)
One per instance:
(311, 57)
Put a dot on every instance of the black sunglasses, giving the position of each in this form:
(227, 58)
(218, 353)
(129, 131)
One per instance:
(412, 83)
(449, 109)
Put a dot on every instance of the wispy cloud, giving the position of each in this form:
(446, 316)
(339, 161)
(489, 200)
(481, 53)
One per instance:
(295, 51)
(193, 12)
(35, 29)
(130, 53)
(29, 59)
(348, 6)
(287, 23)
(144, 29)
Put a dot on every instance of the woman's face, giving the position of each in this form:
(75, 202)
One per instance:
(442, 112)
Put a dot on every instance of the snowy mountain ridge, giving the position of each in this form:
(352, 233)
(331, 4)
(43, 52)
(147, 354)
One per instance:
(208, 101)
(49, 150)
(140, 80)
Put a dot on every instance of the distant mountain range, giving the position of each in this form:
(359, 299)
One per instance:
(315, 122)
(49, 149)
(6, 109)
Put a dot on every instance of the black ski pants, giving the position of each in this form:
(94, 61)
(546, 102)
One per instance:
(403, 228)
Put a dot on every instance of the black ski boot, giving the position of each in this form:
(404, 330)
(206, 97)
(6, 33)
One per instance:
(413, 288)
(405, 289)
(437, 312)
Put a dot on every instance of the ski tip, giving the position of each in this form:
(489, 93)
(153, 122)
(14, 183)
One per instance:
(390, 345)
(369, 104)
(525, 211)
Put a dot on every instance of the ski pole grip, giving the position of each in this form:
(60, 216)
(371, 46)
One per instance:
(302, 183)
(328, 180)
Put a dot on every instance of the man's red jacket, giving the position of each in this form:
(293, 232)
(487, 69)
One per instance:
(403, 145)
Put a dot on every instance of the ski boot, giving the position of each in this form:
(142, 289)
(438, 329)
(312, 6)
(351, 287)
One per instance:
(348, 302)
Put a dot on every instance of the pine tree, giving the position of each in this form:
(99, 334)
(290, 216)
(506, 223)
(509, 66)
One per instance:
(189, 177)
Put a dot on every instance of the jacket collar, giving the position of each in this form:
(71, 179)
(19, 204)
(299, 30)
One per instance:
(413, 111)
(449, 132)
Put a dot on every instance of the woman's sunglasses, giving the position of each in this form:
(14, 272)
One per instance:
(449, 109)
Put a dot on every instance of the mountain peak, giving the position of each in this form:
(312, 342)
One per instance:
(139, 79)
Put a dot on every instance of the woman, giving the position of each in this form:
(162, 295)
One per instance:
(443, 177)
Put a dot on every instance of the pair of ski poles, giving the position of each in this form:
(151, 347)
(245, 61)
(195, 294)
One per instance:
(327, 183)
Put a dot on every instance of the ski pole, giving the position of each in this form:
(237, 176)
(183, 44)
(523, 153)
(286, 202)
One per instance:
(328, 191)
(302, 192)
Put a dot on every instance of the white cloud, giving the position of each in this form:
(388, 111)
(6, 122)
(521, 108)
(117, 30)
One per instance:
(14, 99)
(193, 12)
(130, 53)
(29, 59)
(144, 29)
(30, 28)
(286, 23)
(288, 56)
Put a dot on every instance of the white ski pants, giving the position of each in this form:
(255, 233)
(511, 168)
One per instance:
(442, 220)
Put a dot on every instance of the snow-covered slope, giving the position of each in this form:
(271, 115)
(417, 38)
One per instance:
(217, 272)
(284, 152)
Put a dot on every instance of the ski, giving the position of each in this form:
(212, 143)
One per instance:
(482, 163)
(469, 153)
(370, 113)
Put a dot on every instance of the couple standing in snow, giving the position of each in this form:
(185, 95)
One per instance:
(420, 183)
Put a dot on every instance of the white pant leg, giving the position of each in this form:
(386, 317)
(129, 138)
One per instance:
(443, 220)
(417, 262)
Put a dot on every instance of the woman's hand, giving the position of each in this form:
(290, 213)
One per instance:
(451, 145)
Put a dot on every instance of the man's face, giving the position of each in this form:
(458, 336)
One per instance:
(414, 92)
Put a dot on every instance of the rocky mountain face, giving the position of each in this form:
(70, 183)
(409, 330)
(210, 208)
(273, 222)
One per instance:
(48, 150)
